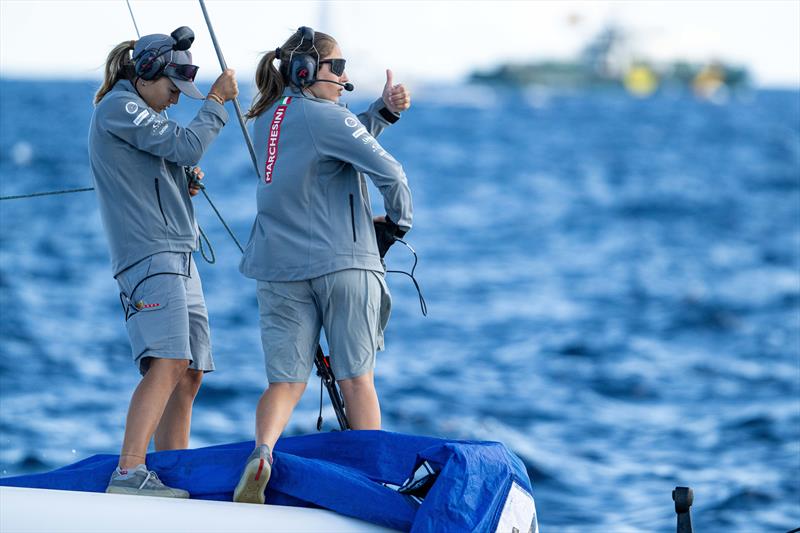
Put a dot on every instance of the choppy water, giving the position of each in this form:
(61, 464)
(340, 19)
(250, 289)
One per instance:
(613, 285)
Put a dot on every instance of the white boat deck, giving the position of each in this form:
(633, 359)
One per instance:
(58, 511)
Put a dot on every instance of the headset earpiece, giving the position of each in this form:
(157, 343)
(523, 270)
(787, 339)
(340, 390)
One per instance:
(303, 70)
(183, 37)
(150, 63)
(303, 64)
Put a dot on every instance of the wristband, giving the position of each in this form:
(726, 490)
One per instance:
(387, 115)
(214, 96)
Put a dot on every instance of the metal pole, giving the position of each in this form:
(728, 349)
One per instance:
(135, 26)
(224, 66)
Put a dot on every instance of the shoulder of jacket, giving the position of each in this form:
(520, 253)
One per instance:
(327, 114)
(116, 100)
(323, 108)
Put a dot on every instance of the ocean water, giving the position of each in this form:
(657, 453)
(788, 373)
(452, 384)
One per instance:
(613, 289)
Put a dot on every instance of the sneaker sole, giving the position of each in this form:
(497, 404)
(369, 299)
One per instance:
(137, 492)
(253, 482)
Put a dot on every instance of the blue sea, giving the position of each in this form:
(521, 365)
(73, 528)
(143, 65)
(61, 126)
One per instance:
(613, 288)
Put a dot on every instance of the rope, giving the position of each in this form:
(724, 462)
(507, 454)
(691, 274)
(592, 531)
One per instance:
(230, 232)
(66, 191)
(202, 238)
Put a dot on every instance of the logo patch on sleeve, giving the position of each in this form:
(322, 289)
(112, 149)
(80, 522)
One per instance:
(131, 107)
(140, 117)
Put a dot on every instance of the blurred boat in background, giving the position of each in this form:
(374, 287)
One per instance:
(610, 61)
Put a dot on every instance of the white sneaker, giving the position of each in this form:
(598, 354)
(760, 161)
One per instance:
(142, 482)
(254, 479)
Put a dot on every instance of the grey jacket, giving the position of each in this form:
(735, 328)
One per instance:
(314, 214)
(137, 158)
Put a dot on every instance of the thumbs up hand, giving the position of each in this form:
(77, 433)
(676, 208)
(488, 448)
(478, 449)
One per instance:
(396, 97)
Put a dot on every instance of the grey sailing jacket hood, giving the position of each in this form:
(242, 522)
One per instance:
(314, 215)
(137, 158)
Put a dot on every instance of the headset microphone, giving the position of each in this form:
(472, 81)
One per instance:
(347, 86)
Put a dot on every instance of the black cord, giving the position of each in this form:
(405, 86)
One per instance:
(319, 418)
(204, 237)
(127, 308)
(230, 232)
(422, 305)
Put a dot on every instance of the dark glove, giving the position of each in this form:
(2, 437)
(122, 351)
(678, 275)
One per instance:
(386, 233)
(191, 177)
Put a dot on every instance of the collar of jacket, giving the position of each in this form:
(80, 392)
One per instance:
(297, 93)
(127, 86)
(124, 85)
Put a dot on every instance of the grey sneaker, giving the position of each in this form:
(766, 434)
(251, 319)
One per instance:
(141, 482)
(254, 479)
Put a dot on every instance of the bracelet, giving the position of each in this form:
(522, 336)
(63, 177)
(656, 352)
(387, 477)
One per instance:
(214, 96)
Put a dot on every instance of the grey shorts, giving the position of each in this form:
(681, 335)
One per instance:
(165, 312)
(352, 305)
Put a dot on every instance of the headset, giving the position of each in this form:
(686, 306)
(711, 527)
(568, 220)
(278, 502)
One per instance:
(303, 65)
(150, 63)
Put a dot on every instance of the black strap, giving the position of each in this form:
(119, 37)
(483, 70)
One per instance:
(325, 372)
(388, 116)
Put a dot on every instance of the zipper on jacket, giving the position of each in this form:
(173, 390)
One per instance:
(160, 208)
(352, 218)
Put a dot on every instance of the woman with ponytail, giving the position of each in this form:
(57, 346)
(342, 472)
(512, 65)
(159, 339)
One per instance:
(313, 248)
(139, 159)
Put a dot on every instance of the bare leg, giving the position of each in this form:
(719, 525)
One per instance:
(361, 401)
(172, 432)
(146, 407)
(274, 409)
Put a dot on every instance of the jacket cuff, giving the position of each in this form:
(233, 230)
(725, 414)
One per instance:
(217, 109)
(396, 231)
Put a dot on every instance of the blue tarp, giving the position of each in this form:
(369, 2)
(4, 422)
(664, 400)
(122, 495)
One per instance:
(340, 471)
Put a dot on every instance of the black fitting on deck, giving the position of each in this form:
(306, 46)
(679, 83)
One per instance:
(683, 498)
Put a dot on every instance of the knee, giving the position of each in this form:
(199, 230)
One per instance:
(170, 369)
(358, 385)
(294, 390)
(191, 381)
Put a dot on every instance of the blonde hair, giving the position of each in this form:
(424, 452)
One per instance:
(118, 66)
(270, 81)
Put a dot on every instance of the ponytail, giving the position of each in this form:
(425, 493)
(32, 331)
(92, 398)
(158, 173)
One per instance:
(270, 81)
(118, 66)
(270, 85)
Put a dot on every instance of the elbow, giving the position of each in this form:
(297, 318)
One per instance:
(189, 156)
(189, 149)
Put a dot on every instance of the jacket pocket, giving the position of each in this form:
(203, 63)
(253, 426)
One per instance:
(160, 207)
(352, 218)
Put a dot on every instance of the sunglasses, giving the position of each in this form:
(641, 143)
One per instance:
(181, 72)
(337, 65)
